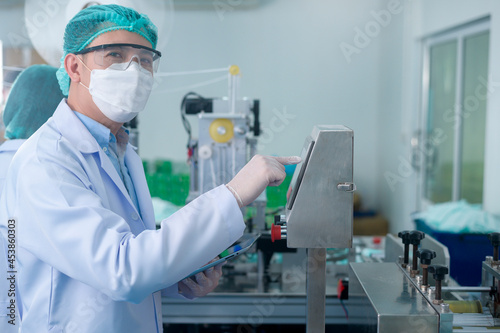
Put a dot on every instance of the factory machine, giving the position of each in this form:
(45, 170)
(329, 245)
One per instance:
(319, 209)
(417, 295)
(405, 289)
(409, 290)
(226, 136)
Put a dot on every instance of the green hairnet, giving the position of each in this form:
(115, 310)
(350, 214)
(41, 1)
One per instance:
(92, 22)
(33, 98)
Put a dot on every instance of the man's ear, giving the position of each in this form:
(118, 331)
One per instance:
(72, 66)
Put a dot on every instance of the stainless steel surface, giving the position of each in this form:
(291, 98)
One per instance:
(397, 304)
(316, 289)
(319, 215)
(319, 209)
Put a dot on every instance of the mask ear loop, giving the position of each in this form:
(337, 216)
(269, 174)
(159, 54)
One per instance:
(81, 60)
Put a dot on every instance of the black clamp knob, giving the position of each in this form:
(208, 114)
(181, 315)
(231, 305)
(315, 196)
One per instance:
(405, 238)
(438, 271)
(426, 256)
(494, 238)
(415, 238)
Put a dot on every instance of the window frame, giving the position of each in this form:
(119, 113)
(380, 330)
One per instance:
(459, 34)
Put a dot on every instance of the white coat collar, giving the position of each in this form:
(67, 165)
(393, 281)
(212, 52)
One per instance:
(73, 130)
(77, 133)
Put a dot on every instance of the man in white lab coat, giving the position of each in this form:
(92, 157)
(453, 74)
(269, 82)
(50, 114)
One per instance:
(76, 204)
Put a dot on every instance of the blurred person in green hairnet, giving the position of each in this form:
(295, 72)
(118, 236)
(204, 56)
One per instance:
(9, 76)
(89, 256)
(33, 98)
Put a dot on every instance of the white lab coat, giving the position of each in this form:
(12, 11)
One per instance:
(7, 151)
(87, 260)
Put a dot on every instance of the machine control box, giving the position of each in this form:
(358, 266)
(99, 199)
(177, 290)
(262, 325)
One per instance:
(319, 210)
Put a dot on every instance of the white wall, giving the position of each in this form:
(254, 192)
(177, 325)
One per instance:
(394, 177)
(12, 22)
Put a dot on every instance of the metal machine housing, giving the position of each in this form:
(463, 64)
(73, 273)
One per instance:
(319, 210)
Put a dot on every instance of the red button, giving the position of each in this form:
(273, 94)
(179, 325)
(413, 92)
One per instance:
(275, 232)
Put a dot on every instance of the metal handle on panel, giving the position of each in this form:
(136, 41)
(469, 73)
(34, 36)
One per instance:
(346, 187)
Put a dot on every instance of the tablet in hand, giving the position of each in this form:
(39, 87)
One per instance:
(240, 246)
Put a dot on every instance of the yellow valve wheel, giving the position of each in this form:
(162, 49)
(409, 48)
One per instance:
(234, 70)
(221, 130)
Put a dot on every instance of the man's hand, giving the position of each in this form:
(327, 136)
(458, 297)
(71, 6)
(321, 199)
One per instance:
(202, 283)
(256, 175)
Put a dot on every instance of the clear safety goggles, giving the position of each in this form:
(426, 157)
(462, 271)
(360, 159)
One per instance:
(109, 54)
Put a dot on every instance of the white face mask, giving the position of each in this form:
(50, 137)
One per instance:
(120, 91)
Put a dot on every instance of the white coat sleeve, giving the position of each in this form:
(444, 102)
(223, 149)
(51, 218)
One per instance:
(64, 223)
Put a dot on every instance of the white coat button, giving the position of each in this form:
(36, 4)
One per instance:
(134, 216)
